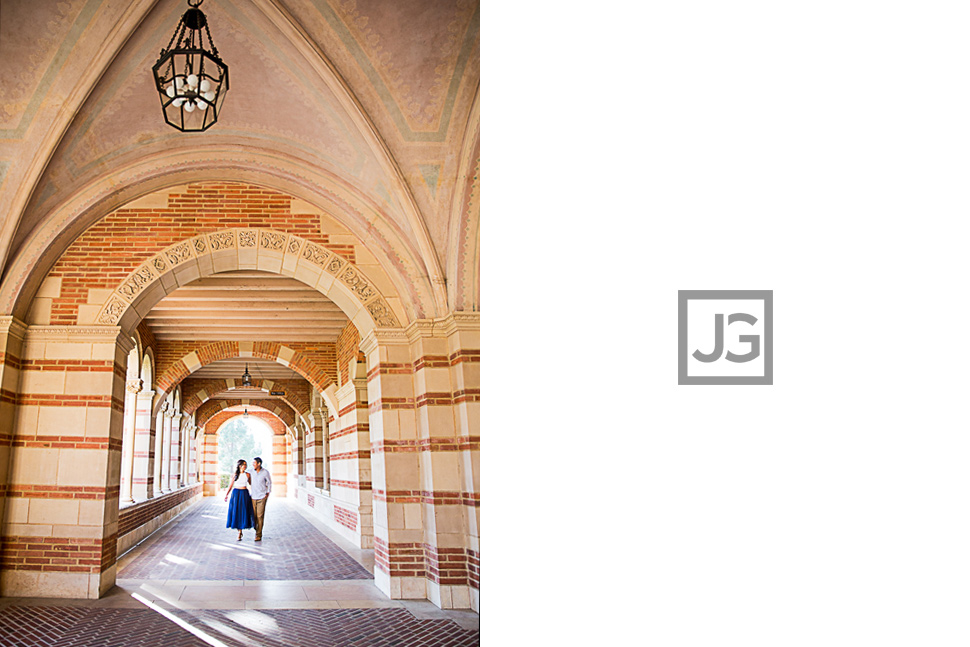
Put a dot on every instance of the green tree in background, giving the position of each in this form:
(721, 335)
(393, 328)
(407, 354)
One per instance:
(236, 441)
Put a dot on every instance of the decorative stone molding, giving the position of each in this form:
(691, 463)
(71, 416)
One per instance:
(133, 386)
(12, 326)
(382, 337)
(444, 327)
(271, 244)
(95, 334)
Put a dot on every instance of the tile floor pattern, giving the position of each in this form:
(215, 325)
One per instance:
(42, 626)
(200, 547)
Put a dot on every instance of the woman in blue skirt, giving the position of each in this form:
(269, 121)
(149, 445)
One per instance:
(241, 506)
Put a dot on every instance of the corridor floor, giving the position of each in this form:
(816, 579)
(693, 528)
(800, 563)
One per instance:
(192, 583)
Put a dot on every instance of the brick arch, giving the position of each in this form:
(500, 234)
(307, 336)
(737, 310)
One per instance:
(313, 371)
(212, 408)
(197, 392)
(269, 250)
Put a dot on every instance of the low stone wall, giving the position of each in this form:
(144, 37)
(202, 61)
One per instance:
(339, 515)
(142, 519)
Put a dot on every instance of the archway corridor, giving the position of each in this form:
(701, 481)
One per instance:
(192, 584)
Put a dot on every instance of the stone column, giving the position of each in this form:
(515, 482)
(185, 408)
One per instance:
(174, 470)
(132, 389)
(166, 484)
(143, 482)
(160, 426)
(191, 454)
(61, 529)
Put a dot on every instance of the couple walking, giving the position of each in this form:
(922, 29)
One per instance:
(249, 493)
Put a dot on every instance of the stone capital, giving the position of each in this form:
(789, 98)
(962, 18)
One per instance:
(133, 386)
(383, 337)
(13, 327)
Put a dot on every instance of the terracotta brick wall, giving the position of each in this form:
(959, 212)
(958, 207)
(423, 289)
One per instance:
(132, 517)
(297, 391)
(315, 361)
(348, 345)
(108, 251)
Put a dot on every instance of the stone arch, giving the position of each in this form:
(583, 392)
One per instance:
(299, 362)
(248, 249)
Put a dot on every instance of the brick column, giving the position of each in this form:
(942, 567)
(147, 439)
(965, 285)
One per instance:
(316, 448)
(210, 464)
(350, 469)
(424, 412)
(279, 465)
(12, 332)
(399, 569)
(143, 481)
(132, 389)
(59, 537)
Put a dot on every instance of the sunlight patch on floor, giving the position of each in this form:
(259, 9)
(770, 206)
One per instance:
(181, 623)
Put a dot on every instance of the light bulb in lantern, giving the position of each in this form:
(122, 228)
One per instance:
(170, 91)
(189, 106)
(179, 82)
(192, 80)
(209, 96)
(205, 86)
(178, 102)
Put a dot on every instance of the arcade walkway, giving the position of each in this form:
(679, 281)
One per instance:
(192, 583)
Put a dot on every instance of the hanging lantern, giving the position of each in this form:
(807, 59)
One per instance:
(191, 79)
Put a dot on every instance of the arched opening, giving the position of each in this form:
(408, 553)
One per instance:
(243, 437)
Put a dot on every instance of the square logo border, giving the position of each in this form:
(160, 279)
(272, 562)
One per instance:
(683, 296)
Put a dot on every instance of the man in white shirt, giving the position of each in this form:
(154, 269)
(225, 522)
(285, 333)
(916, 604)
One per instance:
(260, 488)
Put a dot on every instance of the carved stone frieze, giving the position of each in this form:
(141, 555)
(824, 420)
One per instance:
(180, 253)
(247, 238)
(294, 245)
(315, 254)
(112, 312)
(334, 265)
(382, 314)
(272, 240)
(136, 282)
(358, 283)
(199, 244)
(221, 240)
(159, 264)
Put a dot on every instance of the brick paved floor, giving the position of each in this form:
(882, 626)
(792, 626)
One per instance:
(64, 626)
(200, 547)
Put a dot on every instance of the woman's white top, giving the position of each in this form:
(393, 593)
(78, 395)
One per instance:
(242, 482)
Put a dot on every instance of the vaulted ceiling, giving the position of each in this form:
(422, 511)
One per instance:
(377, 98)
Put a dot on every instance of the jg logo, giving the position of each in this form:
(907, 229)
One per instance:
(724, 336)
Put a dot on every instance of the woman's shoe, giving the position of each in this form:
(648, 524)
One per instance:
(240, 536)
